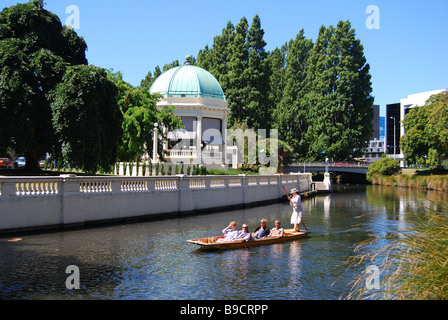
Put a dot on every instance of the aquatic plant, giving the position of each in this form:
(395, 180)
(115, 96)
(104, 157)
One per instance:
(412, 262)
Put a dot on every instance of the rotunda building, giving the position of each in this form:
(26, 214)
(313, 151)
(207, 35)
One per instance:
(200, 102)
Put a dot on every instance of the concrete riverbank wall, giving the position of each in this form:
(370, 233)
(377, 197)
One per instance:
(35, 203)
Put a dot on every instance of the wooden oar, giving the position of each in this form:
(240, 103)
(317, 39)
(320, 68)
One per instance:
(289, 198)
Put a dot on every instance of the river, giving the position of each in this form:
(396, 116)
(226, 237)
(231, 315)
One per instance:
(152, 260)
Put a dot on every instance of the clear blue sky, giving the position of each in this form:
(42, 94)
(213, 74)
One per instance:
(407, 54)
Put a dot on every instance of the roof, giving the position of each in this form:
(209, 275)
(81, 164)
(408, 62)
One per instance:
(188, 81)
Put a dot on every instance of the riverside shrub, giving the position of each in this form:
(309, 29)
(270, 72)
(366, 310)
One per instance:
(384, 166)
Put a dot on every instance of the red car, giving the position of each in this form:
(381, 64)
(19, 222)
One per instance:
(5, 163)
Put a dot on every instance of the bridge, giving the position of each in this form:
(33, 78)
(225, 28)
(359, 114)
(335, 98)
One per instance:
(350, 167)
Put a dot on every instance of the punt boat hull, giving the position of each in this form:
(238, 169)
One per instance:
(211, 243)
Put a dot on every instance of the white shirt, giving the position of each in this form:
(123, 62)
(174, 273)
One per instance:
(296, 203)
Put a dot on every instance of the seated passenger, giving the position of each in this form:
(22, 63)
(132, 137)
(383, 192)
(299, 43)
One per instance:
(237, 235)
(230, 232)
(231, 227)
(277, 231)
(262, 230)
(244, 233)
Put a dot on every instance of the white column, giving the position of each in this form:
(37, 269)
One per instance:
(224, 138)
(154, 144)
(199, 138)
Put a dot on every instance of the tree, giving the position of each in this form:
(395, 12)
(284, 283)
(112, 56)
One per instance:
(339, 100)
(277, 63)
(438, 125)
(149, 79)
(384, 166)
(237, 91)
(216, 59)
(258, 111)
(416, 141)
(86, 119)
(238, 61)
(36, 55)
(138, 107)
(426, 137)
(292, 113)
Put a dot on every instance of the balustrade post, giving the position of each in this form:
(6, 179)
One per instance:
(207, 183)
(183, 182)
(226, 182)
(244, 183)
(69, 184)
(151, 184)
(9, 189)
(116, 185)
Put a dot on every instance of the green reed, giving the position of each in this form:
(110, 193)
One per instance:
(412, 262)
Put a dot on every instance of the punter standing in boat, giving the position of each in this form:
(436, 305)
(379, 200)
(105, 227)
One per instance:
(296, 216)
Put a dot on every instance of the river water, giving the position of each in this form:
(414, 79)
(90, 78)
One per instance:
(152, 260)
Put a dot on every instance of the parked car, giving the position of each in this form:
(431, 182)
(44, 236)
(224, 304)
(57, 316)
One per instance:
(20, 162)
(5, 163)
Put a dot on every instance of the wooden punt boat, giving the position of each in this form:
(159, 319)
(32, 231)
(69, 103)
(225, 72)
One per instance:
(211, 243)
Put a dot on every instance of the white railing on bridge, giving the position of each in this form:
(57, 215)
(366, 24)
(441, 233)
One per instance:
(331, 164)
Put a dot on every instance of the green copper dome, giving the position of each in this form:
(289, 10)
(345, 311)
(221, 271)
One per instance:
(188, 81)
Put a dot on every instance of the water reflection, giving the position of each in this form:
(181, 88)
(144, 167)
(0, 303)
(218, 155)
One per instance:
(153, 260)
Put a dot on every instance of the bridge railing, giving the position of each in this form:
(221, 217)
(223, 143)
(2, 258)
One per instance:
(354, 164)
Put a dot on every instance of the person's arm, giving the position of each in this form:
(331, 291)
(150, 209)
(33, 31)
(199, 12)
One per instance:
(247, 237)
(224, 231)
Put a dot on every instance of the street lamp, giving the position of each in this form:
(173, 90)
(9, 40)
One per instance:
(395, 137)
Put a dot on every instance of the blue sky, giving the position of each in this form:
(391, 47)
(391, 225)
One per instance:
(407, 54)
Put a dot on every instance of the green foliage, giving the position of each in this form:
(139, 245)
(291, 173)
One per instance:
(438, 125)
(86, 119)
(412, 259)
(239, 62)
(426, 127)
(162, 169)
(339, 100)
(291, 114)
(44, 86)
(383, 166)
(139, 111)
(317, 95)
(416, 142)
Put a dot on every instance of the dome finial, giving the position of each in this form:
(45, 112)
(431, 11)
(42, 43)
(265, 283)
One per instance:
(187, 60)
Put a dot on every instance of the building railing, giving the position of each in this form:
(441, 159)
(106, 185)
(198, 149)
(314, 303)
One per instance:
(53, 186)
(45, 202)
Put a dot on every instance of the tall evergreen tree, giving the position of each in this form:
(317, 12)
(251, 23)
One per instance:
(237, 91)
(292, 113)
(149, 79)
(340, 101)
(258, 111)
(216, 59)
(277, 62)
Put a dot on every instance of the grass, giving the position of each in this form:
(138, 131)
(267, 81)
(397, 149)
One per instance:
(413, 262)
(411, 178)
